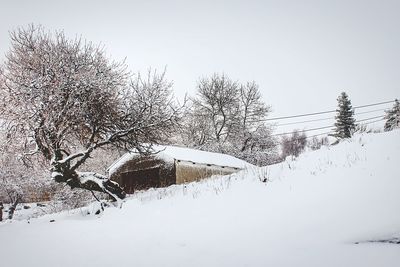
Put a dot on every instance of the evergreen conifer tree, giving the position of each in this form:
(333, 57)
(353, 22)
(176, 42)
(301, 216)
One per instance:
(392, 117)
(345, 122)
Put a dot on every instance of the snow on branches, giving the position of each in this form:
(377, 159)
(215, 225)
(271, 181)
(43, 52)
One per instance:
(229, 117)
(392, 117)
(66, 98)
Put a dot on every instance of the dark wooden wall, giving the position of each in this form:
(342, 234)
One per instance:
(143, 173)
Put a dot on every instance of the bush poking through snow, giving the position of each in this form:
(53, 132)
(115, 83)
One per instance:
(293, 145)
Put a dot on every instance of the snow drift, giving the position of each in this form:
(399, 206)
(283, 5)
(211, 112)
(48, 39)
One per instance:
(333, 207)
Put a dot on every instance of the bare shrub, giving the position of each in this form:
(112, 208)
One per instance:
(316, 143)
(293, 145)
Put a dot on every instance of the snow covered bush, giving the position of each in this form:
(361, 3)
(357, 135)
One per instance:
(66, 199)
(20, 181)
(293, 145)
(316, 143)
(392, 117)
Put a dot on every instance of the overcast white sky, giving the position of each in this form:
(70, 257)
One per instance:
(301, 53)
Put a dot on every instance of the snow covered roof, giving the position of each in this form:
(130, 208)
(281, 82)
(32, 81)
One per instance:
(171, 153)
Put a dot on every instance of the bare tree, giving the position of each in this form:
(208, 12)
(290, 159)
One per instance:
(253, 112)
(229, 117)
(294, 144)
(21, 179)
(217, 101)
(12, 181)
(67, 99)
(196, 128)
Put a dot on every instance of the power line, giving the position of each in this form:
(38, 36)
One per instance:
(297, 116)
(373, 121)
(370, 118)
(370, 111)
(327, 133)
(323, 112)
(324, 119)
(308, 130)
(375, 104)
(326, 127)
(330, 132)
(299, 122)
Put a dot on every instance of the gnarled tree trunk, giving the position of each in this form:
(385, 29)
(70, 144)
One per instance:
(1, 211)
(13, 206)
(62, 173)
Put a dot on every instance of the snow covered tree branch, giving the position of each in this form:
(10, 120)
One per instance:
(392, 117)
(67, 99)
(229, 117)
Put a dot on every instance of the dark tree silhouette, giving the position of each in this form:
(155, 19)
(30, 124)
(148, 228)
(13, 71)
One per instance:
(345, 122)
(392, 117)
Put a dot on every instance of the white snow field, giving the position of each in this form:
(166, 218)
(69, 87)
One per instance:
(323, 209)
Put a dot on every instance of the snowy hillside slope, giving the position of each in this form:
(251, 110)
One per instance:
(322, 209)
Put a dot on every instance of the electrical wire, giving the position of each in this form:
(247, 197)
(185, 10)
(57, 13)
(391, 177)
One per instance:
(308, 130)
(326, 127)
(370, 118)
(324, 112)
(370, 111)
(330, 132)
(374, 104)
(323, 119)
(300, 122)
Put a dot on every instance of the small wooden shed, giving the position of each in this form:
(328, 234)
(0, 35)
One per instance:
(169, 165)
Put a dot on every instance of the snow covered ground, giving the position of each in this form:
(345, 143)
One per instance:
(323, 209)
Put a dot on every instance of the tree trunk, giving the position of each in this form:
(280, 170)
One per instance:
(1, 211)
(61, 173)
(12, 208)
(106, 186)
